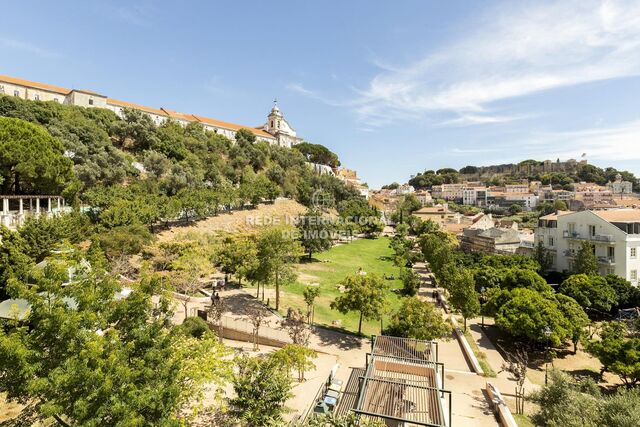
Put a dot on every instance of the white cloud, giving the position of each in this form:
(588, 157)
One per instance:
(513, 51)
(28, 48)
(616, 143)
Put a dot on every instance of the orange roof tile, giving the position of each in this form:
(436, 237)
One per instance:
(232, 126)
(160, 112)
(619, 215)
(135, 106)
(21, 82)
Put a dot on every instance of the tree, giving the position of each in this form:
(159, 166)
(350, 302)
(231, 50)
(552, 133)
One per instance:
(190, 270)
(310, 294)
(566, 402)
(544, 257)
(627, 295)
(418, 319)
(262, 386)
(257, 317)
(522, 278)
(410, 282)
(316, 153)
(463, 296)
(296, 327)
(617, 353)
(591, 292)
(277, 250)
(515, 209)
(561, 403)
(365, 294)
(296, 356)
(577, 318)
(89, 359)
(31, 160)
(349, 420)
(315, 232)
(237, 255)
(560, 205)
(585, 261)
(525, 313)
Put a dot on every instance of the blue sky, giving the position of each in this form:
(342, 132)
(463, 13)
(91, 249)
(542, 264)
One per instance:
(394, 87)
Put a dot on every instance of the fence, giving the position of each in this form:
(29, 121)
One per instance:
(241, 329)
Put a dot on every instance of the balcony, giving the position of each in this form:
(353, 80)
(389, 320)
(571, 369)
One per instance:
(606, 260)
(604, 238)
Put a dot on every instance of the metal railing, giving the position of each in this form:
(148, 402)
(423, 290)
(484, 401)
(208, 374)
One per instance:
(607, 238)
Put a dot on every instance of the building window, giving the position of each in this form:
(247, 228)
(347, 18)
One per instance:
(551, 242)
(592, 230)
(1, 89)
(634, 275)
(16, 93)
(36, 97)
(90, 101)
(634, 252)
(611, 252)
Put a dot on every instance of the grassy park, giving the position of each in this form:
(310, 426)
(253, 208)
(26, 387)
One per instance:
(327, 270)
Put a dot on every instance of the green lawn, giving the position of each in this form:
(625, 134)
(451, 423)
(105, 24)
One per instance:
(330, 267)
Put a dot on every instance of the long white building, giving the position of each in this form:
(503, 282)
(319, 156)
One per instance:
(276, 130)
(614, 234)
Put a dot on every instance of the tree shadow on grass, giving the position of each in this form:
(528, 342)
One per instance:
(337, 337)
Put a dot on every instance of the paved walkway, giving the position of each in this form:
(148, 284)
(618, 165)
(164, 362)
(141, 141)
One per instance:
(470, 401)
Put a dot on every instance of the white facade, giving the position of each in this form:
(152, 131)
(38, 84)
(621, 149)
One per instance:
(616, 249)
(474, 196)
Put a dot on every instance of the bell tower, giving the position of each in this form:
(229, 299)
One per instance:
(274, 119)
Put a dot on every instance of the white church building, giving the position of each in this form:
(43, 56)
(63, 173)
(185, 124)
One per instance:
(276, 130)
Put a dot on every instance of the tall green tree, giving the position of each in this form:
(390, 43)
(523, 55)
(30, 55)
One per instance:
(365, 294)
(315, 232)
(464, 297)
(418, 319)
(32, 161)
(591, 292)
(262, 386)
(544, 257)
(585, 261)
(617, 352)
(277, 251)
(310, 294)
(90, 359)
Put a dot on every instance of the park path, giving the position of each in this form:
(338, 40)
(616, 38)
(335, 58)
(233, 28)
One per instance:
(467, 388)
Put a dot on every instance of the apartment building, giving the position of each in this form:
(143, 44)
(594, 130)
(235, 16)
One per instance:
(474, 196)
(449, 192)
(614, 234)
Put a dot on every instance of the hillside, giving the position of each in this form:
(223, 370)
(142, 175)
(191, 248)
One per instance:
(131, 171)
(560, 174)
(243, 221)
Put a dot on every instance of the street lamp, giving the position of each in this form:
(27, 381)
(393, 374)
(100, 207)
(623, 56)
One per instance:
(483, 300)
(547, 333)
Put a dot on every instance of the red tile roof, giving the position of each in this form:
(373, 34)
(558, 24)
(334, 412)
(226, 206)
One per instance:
(28, 83)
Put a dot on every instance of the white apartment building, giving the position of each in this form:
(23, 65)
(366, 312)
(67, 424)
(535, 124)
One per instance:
(474, 196)
(615, 235)
(276, 130)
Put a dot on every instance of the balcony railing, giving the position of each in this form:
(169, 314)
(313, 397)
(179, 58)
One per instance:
(606, 260)
(606, 238)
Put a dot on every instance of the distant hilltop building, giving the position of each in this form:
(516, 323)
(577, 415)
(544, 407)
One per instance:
(276, 130)
(619, 186)
(526, 167)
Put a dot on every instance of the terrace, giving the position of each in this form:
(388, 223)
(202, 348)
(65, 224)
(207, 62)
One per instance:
(402, 385)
